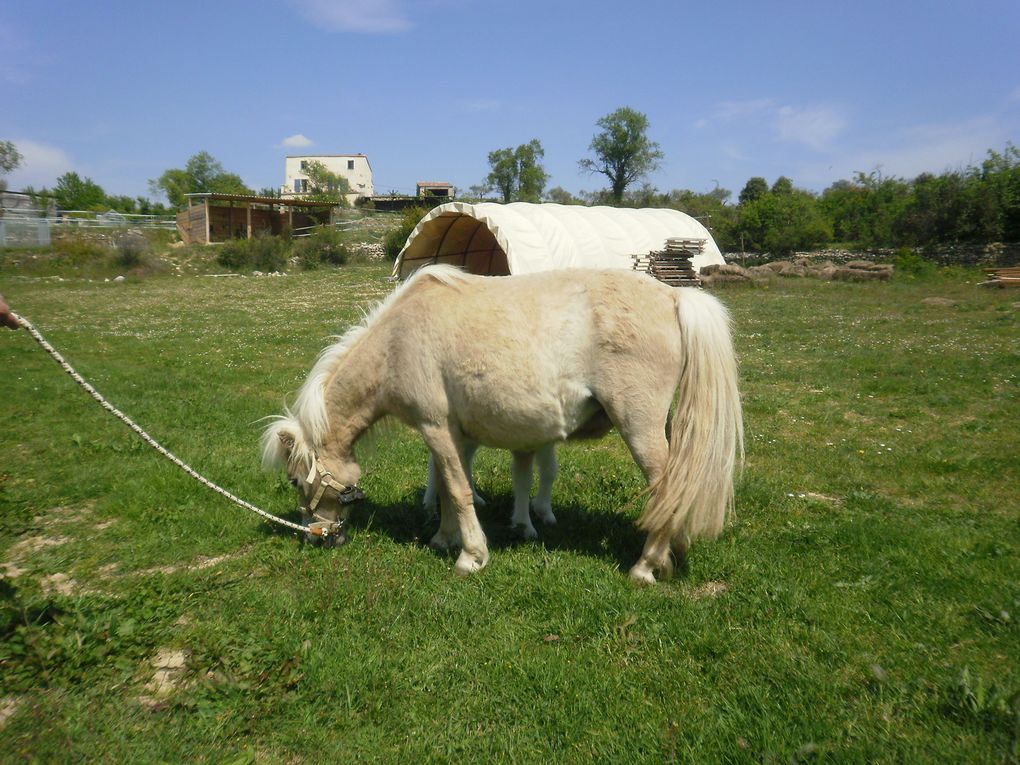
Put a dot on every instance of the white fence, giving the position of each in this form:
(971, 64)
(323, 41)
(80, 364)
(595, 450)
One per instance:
(28, 227)
(342, 225)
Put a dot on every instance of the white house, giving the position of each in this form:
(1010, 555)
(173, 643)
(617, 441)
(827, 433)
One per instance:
(354, 167)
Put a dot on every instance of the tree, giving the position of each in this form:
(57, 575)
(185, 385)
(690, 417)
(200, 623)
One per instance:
(711, 209)
(326, 186)
(517, 174)
(561, 196)
(531, 176)
(623, 151)
(73, 192)
(753, 190)
(202, 173)
(503, 173)
(10, 160)
(783, 185)
(783, 221)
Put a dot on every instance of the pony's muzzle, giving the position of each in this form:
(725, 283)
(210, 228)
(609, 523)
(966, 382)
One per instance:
(326, 534)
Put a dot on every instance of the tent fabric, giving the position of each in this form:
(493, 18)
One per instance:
(522, 238)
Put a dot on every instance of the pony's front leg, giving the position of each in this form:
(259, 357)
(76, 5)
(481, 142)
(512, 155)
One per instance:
(456, 506)
(522, 475)
(431, 491)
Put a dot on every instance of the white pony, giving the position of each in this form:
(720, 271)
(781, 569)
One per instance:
(523, 475)
(519, 362)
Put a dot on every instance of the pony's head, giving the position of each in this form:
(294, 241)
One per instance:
(326, 484)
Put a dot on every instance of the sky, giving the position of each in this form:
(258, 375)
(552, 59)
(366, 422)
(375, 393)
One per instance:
(816, 91)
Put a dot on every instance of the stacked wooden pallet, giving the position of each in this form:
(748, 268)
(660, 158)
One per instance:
(1002, 277)
(672, 265)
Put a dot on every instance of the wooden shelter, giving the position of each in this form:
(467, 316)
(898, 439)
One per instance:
(219, 217)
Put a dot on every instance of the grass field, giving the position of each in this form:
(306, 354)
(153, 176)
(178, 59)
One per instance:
(862, 607)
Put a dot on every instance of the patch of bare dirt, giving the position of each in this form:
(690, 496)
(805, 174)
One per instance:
(59, 584)
(169, 666)
(200, 563)
(709, 590)
(8, 706)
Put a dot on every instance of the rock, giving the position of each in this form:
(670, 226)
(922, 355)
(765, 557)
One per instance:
(867, 265)
(861, 275)
(828, 273)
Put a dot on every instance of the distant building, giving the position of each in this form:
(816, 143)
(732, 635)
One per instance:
(435, 190)
(354, 167)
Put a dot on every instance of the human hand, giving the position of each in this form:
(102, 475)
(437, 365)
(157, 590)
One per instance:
(7, 317)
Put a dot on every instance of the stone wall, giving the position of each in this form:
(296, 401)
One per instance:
(977, 255)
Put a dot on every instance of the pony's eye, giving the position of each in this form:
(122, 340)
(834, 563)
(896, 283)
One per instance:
(294, 482)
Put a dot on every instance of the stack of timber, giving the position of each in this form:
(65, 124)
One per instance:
(1002, 277)
(672, 265)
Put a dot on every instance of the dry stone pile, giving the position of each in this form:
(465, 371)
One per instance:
(802, 268)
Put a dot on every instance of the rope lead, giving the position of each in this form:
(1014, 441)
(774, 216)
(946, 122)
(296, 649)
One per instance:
(149, 439)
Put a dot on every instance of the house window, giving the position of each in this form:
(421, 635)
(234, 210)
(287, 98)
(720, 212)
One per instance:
(350, 164)
(300, 185)
(304, 164)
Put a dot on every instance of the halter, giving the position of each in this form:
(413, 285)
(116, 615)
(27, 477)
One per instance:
(318, 481)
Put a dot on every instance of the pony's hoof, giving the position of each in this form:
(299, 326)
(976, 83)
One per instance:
(642, 574)
(525, 531)
(467, 564)
(545, 514)
(478, 500)
(441, 542)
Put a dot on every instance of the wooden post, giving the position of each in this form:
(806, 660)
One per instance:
(207, 220)
(248, 206)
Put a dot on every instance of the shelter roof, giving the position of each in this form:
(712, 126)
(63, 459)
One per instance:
(521, 237)
(256, 200)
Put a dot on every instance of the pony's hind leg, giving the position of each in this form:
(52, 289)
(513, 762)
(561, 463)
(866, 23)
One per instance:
(547, 470)
(457, 511)
(522, 475)
(654, 558)
(644, 433)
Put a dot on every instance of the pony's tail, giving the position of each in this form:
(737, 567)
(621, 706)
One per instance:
(694, 494)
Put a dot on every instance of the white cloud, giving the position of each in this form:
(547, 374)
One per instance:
(938, 147)
(813, 126)
(365, 16)
(914, 149)
(297, 141)
(41, 165)
(726, 111)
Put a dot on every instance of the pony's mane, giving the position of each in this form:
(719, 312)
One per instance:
(308, 416)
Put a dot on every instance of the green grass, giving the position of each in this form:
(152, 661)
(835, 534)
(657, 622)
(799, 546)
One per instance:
(863, 606)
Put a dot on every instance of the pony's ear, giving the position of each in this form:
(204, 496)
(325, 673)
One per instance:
(279, 442)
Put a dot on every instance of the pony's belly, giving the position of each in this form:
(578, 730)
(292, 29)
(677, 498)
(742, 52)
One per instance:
(528, 424)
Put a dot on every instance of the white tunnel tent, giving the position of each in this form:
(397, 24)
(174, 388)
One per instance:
(520, 238)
